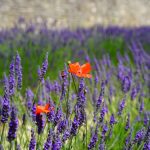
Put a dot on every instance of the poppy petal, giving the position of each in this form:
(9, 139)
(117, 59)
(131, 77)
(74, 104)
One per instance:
(86, 68)
(87, 75)
(73, 68)
(47, 106)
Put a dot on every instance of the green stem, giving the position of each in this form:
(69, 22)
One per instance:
(10, 145)
(74, 83)
(36, 93)
(2, 133)
(86, 134)
(70, 144)
(37, 145)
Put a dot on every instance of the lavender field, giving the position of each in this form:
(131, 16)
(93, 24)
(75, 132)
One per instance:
(49, 101)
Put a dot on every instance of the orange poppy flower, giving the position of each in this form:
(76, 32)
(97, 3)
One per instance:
(43, 109)
(80, 71)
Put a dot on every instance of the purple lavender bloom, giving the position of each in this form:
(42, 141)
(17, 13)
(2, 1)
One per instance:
(146, 119)
(99, 101)
(128, 140)
(102, 113)
(11, 78)
(33, 112)
(1, 102)
(112, 120)
(39, 73)
(17, 63)
(62, 126)
(120, 74)
(56, 87)
(141, 107)
(32, 144)
(44, 68)
(74, 127)
(104, 129)
(121, 106)
(126, 84)
(147, 145)
(6, 86)
(73, 96)
(111, 90)
(29, 98)
(18, 71)
(81, 117)
(58, 116)
(64, 85)
(127, 123)
(66, 135)
(51, 116)
(139, 136)
(101, 145)
(5, 110)
(39, 123)
(82, 100)
(96, 80)
(93, 141)
(48, 142)
(57, 143)
(133, 93)
(13, 125)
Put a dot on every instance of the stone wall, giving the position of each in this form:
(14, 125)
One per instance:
(73, 13)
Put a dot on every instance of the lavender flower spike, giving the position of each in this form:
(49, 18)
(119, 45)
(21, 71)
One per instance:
(11, 78)
(18, 71)
(44, 68)
(126, 84)
(5, 110)
(32, 144)
(121, 106)
(57, 143)
(48, 142)
(127, 123)
(74, 127)
(13, 125)
(112, 120)
(66, 135)
(29, 98)
(6, 85)
(99, 101)
(139, 136)
(39, 123)
(93, 140)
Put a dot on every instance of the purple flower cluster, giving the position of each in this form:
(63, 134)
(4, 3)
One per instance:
(121, 106)
(43, 69)
(13, 125)
(32, 144)
(48, 143)
(39, 123)
(101, 96)
(69, 121)
(18, 71)
(93, 140)
(57, 143)
(12, 78)
(5, 109)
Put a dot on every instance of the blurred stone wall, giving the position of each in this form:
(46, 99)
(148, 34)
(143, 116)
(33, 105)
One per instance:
(73, 13)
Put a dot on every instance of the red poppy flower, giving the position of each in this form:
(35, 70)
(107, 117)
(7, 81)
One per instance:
(80, 71)
(43, 109)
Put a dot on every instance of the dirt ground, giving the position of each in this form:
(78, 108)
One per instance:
(73, 13)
